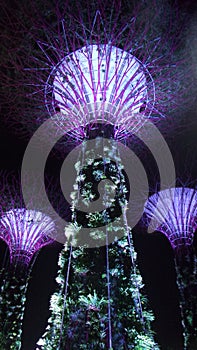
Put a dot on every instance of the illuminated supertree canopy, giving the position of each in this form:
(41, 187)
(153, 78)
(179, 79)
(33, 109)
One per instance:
(25, 232)
(102, 83)
(95, 62)
(174, 213)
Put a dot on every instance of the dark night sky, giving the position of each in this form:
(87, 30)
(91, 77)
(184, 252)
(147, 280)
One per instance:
(154, 252)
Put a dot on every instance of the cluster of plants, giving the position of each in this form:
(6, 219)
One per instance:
(79, 317)
(12, 306)
(99, 290)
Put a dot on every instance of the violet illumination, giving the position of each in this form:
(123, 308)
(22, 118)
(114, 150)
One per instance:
(96, 62)
(25, 232)
(102, 83)
(174, 213)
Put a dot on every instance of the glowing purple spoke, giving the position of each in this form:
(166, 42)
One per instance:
(65, 37)
(120, 77)
(90, 76)
(44, 51)
(176, 215)
(25, 232)
(128, 46)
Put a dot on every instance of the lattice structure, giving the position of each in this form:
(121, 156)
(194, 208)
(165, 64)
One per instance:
(95, 62)
(92, 63)
(102, 83)
(25, 232)
(174, 213)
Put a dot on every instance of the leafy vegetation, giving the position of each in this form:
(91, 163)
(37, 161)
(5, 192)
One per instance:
(99, 303)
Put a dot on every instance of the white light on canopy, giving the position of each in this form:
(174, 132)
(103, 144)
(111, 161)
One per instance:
(25, 232)
(101, 83)
(174, 212)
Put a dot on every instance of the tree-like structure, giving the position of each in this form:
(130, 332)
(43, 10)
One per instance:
(79, 307)
(25, 232)
(135, 51)
(94, 63)
(174, 213)
(99, 302)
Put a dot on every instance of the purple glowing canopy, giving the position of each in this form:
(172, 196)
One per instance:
(102, 83)
(95, 60)
(174, 212)
(25, 232)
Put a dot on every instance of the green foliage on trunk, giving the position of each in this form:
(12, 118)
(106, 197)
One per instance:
(186, 277)
(92, 281)
(81, 321)
(12, 306)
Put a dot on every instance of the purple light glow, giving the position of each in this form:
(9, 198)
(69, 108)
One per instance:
(96, 62)
(174, 213)
(100, 73)
(25, 232)
(102, 83)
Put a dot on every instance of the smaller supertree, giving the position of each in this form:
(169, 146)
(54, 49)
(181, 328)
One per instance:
(174, 213)
(25, 233)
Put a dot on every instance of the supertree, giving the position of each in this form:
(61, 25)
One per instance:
(173, 212)
(99, 302)
(25, 232)
(95, 64)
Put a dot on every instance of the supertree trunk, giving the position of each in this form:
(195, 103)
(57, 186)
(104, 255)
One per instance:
(25, 232)
(98, 303)
(12, 306)
(174, 213)
(185, 265)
